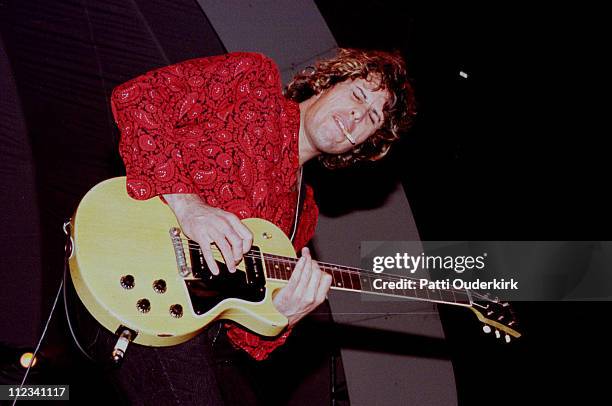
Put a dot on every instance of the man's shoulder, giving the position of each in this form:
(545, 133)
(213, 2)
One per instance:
(229, 64)
(239, 61)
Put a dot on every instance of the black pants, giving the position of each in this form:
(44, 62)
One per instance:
(208, 370)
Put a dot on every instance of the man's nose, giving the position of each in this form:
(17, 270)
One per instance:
(358, 112)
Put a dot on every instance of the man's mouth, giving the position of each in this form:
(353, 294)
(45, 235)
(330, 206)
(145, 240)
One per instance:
(346, 133)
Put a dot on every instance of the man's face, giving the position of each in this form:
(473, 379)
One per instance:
(346, 113)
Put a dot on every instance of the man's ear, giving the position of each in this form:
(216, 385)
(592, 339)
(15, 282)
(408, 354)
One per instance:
(316, 96)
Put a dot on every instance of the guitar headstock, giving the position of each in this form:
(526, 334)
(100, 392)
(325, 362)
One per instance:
(496, 316)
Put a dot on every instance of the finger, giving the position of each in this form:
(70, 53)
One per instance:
(232, 237)
(235, 243)
(313, 284)
(295, 275)
(285, 296)
(209, 258)
(305, 274)
(324, 285)
(243, 231)
(226, 251)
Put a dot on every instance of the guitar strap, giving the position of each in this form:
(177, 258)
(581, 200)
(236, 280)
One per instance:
(300, 203)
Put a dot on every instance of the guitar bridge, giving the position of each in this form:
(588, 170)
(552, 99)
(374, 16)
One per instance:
(179, 252)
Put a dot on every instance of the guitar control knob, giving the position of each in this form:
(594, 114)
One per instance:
(497, 334)
(486, 329)
(159, 286)
(143, 306)
(508, 338)
(127, 282)
(176, 311)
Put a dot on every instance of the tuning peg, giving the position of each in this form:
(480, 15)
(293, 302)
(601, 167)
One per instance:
(497, 334)
(508, 338)
(486, 329)
(505, 304)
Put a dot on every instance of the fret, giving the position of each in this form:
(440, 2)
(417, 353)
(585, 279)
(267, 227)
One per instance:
(355, 281)
(365, 281)
(346, 279)
(388, 290)
(422, 293)
(405, 292)
(275, 269)
(286, 270)
(411, 293)
(462, 296)
(435, 294)
(447, 295)
(414, 292)
(337, 277)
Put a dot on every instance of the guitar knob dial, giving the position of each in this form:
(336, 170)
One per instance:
(127, 282)
(159, 286)
(143, 306)
(486, 329)
(176, 311)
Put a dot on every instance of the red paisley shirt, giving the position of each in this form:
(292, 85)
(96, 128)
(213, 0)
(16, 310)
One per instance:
(219, 127)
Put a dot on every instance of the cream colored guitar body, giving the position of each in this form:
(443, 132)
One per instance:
(133, 270)
(124, 268)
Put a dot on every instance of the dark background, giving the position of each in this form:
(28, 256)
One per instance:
(513, 152)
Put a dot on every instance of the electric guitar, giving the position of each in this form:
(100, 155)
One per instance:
(135, 271)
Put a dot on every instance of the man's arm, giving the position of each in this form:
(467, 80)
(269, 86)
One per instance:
(205, 225)
(308, 285)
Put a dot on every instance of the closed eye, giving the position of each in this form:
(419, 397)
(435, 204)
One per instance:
(362, 97)
(378, 120)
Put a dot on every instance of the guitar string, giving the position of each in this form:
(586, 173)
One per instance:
(388, 278)
(290, 260)
(353, 270)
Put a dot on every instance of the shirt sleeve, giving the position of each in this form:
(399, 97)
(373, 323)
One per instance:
(167, 120)
(257, 346)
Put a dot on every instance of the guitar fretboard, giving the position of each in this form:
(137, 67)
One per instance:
(360, 280)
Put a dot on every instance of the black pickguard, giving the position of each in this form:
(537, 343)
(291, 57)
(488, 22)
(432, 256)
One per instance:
(207, 290)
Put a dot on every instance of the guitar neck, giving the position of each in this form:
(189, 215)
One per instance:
(364, 281)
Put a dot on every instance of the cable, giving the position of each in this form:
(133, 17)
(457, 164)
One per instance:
(69, 248)
(72, 333)
(59, 290)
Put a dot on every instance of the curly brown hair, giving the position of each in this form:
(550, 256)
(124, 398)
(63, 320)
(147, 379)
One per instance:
(388, 68)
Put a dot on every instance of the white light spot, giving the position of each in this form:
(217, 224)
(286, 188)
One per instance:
(463, 74)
